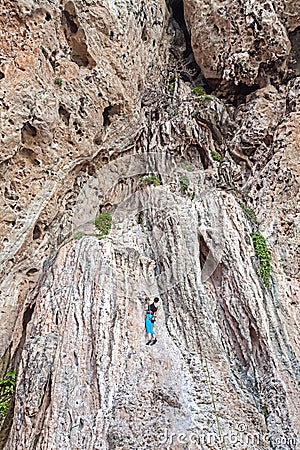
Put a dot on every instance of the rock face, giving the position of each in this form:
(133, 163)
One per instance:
(100, 114)
(58, 110)
(241, 43)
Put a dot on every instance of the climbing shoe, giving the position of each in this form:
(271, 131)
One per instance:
(154, 341)
(149, 342)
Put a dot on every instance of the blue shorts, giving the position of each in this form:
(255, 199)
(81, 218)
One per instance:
(148, 324)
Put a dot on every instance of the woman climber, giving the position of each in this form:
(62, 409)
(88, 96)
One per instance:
(151, 315)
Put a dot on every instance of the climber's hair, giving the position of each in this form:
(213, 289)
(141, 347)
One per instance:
(156, 299)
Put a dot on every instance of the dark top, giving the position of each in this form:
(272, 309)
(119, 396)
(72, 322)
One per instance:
(153, 308)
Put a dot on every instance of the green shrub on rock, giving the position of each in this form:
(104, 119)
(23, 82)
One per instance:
(103, 223)
(184, 183)
(58, 81)
(216, 156)
(7, 390)
(78, 235)
(200, 94)
(263, 254)
(153, 179)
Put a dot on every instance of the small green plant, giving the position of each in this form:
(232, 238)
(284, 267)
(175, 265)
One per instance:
(263, 254)
(198, 91)
(7, 390)
(153, 179)
(249, 213)
(103, 224)
(58, 81)
(172, 87)
(78, 235)
(200, 94)
(184, 183)
(216, 156)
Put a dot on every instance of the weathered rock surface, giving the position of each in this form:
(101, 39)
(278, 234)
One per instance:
(93, 100)
(87, 380)
(51, 132)
(241, 43)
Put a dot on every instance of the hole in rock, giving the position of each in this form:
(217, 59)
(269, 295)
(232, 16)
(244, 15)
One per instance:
(31, 271)
(203, 250)
(11, 194)
(69, 17)
(294, 57)
(27, 153)
(27, 316)
(144, 34)
(203, 156)
(76, 37)
(191, 71)
(1, 75)
(236, 94)
(109, 112)
(28, 131)
(105, 115)
(79, 55)
(98, 139)
(64, 114)
(37, 232)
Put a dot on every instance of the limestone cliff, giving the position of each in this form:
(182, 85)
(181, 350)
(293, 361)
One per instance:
(179, 120)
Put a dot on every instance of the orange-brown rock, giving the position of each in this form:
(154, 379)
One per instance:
(241, 43)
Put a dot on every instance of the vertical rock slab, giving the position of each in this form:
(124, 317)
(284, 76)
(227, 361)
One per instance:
(87, 379)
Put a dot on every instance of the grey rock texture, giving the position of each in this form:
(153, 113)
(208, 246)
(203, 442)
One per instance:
(95, 98)
(213, 372)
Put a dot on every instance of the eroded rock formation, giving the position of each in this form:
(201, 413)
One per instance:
(96, 97)
(242, 44)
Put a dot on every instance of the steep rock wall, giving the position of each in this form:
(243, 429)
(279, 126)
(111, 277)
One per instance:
(50, 132)
(87, 380)
(95, 105)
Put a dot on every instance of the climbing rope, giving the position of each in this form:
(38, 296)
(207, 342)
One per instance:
(210, 387)
(155, 405)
